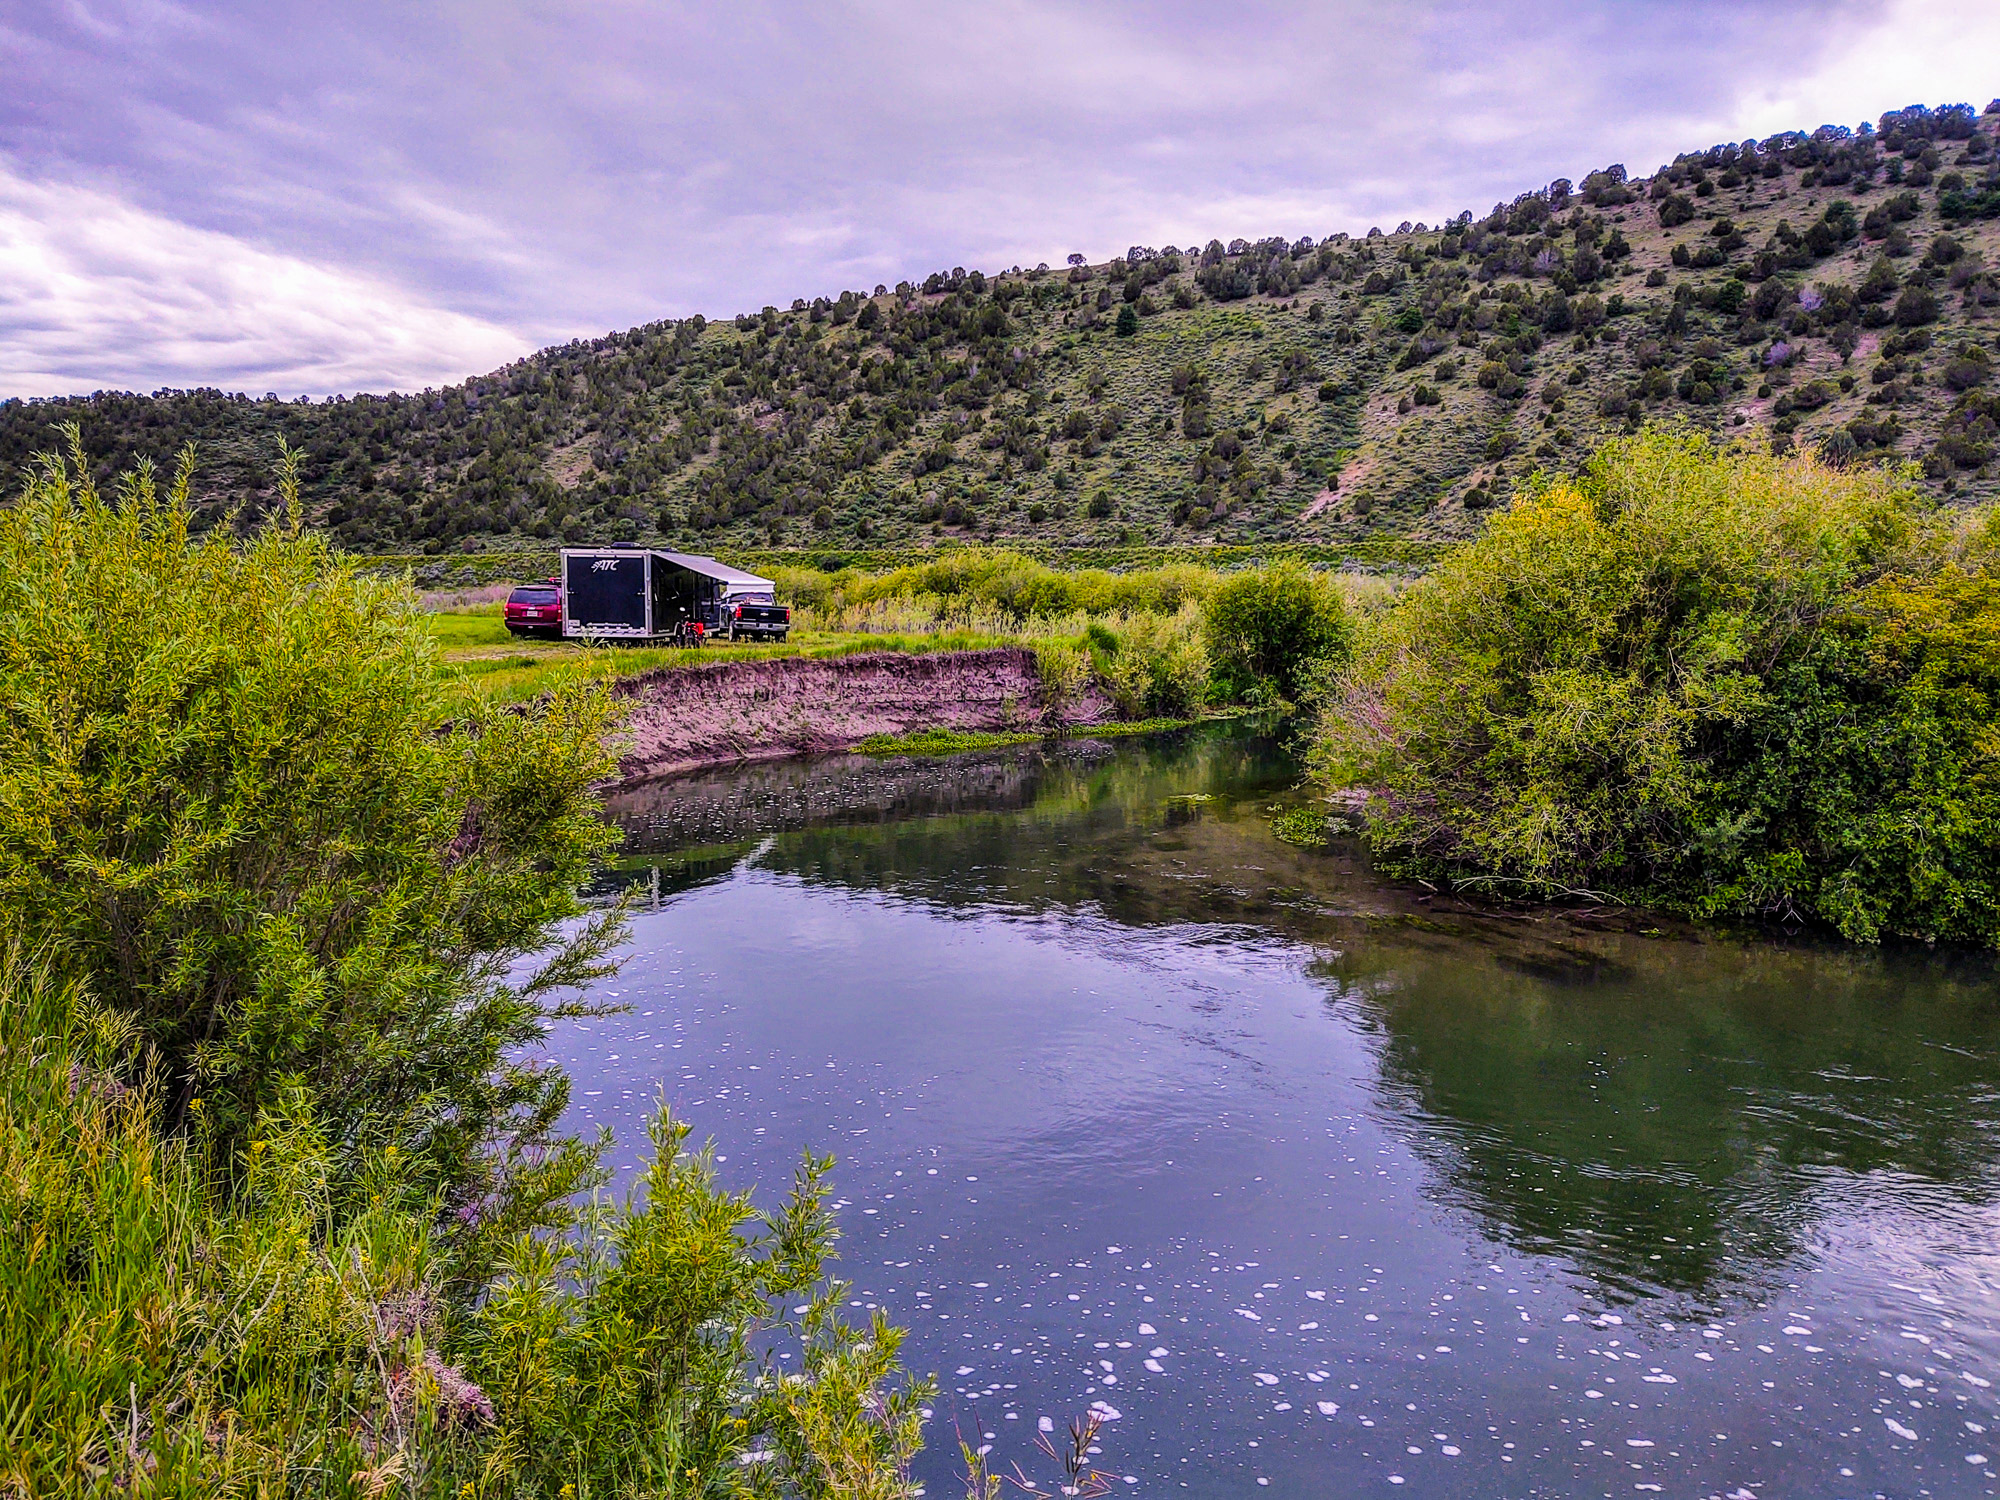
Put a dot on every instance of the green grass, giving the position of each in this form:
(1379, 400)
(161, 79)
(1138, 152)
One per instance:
(467, 629)
(959, 741)
(945, 741)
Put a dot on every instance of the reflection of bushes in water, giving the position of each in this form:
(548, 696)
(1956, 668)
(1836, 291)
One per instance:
(1674, 1116)
(648, 882)
(1080, 836)
(740, 802)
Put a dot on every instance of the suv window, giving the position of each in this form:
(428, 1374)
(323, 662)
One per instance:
(542, 594)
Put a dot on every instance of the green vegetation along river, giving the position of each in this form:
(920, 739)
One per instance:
(1307, 1184)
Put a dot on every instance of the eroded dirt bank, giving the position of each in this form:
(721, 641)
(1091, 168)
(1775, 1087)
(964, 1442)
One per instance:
(684, 718)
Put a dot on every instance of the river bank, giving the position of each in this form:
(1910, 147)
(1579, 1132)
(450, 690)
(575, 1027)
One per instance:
(688, 718)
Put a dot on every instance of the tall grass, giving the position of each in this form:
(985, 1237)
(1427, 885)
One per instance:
(178, 1320)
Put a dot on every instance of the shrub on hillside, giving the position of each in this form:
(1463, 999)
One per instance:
(1283, 625)
(1722, 682)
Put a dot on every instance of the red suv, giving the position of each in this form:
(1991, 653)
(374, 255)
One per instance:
(535, 609)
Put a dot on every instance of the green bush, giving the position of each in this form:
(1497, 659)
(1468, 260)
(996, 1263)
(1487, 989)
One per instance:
(1717, 681)
(1023, 587)
(1284, 625)
(1153, 666)
(1062, 672)
(282, 1209)
(241, 801)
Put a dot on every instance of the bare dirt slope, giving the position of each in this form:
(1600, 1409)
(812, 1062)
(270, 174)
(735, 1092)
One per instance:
(687, 717)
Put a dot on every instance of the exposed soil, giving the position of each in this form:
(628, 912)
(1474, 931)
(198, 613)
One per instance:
(684, 718)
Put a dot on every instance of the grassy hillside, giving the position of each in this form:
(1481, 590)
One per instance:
(1837, 289)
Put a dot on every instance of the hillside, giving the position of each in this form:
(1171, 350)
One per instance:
(1839, 288)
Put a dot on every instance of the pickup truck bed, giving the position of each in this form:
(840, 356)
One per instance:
(758, 622)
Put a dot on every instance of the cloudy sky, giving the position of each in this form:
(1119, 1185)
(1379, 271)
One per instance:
(310, 198)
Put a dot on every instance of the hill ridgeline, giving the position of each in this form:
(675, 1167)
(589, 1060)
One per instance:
(1839, 288)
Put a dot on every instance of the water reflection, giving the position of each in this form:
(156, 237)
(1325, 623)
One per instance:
(1678, 1114)
(1671, 1111)
(1322, 1184)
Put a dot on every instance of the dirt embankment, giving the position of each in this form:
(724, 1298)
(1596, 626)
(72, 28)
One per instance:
(683, 718)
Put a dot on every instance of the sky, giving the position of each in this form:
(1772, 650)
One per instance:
(311, 199)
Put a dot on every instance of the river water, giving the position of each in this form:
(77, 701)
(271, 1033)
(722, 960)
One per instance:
(1306, 1183)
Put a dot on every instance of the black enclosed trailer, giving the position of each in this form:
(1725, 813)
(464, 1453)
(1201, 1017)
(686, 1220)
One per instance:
(639, 594)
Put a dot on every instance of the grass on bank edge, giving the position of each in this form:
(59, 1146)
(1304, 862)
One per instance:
(959, 741)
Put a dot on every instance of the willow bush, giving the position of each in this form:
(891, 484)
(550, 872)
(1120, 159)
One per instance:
(1283, 628)
(283, 1205)
(1714, 680)
(1153, 666)
(240, 801)
(973, 580)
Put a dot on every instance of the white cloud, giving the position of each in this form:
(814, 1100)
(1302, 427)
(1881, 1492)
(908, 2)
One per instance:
(98, 294)
(1911, 52)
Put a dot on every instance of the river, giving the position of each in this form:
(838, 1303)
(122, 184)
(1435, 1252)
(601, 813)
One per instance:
(1307, 1182)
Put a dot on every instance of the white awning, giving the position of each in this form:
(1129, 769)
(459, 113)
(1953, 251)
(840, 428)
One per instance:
(708, 567)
